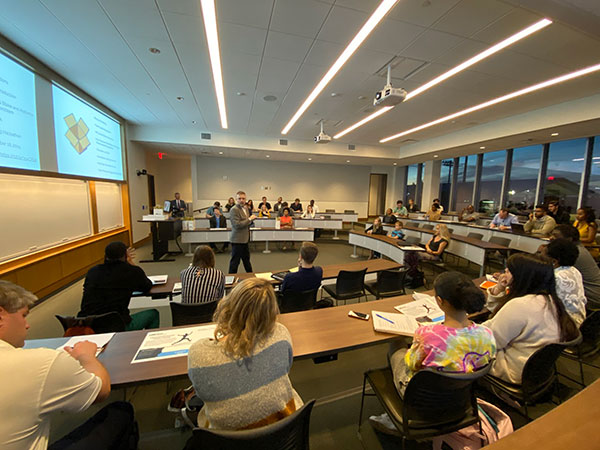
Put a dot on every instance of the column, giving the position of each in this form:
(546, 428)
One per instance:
(431, 183)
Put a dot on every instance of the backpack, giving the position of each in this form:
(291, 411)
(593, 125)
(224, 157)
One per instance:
(495, 425)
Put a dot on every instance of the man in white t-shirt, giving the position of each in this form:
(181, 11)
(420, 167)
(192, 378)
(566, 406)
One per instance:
(38, 382)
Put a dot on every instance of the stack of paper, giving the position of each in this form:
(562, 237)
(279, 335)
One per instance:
(264, 275)
(177, 288)
(423, 309)
(385, 322)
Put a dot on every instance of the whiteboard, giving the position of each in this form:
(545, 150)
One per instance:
(109, 206)
(40, 212)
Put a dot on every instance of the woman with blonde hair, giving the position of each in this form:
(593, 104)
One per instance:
(433, 250)
(242, 374)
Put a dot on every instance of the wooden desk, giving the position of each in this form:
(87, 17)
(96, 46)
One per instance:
(333, 270)
(571, 425)
(208, 235)
(471, 249)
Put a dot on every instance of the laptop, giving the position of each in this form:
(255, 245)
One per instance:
(518, 228)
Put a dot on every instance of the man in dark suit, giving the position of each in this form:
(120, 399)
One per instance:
(240, 234)
(218, 220)
(177, 206)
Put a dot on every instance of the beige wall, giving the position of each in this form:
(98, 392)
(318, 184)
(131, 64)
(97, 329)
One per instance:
(171, 174)
(138, 190)
(332, 186)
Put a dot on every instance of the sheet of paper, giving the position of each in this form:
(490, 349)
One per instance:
(158, 279)
(177, 288)
(171, 343)
(99, 339)
(414, 248)
(424, 308)
(264, 275)
(230, 279)
(293, 269)
(394, 323)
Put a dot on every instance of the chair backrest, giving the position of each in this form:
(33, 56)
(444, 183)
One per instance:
(350, 281)
(192, 313)
(475, 236)
(539, 370)
(292, 301)
(433, 399)
(413, 240)
(348, 211)
(500, 241)
(330, 210)
(391, 280)
(412, 224)
(427, 226)
(100, 323)
(290, 433)
(450, 230)
(590, 330)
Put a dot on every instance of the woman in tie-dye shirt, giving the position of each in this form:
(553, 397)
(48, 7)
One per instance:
(456, 346)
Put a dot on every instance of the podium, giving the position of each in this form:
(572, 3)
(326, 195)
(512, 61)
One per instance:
(163, 230)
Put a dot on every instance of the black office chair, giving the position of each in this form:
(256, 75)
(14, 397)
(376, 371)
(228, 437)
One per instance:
(192, 313)
(389, 283)
(111, 322)
(538, 379)
(427, 226)
(475, 236)
(585, 352)
(434, 403)
(292, 301)
(500, 256)
(289, 433)
(349, 284)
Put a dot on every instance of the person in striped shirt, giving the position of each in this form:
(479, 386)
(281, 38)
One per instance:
(201, 282)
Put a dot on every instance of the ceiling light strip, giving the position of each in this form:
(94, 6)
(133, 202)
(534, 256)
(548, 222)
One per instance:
(364, 32)
(212, 37)
(455, 70)
(527, 90)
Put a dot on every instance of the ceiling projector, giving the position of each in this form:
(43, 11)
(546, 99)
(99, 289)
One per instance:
(322, 137)
(389, 95)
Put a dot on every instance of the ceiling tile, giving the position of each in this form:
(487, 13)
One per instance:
(392, 36)
(276, 75)
(242, 39)
(287, 47)
(303, 18)
(421, 12)
(470, 16)
(431, 45)
(341, 25)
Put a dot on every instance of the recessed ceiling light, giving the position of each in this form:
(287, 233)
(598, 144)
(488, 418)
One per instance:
(310, 159)
(464, 65)
(180, 98)
(435, 156)
(154, 50)
(554, 134)
(220, 153)
(482, 147)
(212, 37)
(347, 160)
(527, 90)
(194, 122)
(269, 98)
(335, 94)
(268, 156)
(240, 94)
(395, 164)
(362, 34)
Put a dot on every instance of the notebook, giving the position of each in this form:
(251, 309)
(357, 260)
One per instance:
(230, 279)
(385, 322)
(158, 279)
(177, 288)
(279, 276)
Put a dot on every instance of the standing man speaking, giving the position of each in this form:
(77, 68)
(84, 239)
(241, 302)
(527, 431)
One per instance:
(240, 234)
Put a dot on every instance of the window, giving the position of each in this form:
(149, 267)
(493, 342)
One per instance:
(593, 193)
(523, 178)
(492, 173)
(566, 160)
(446, 183)
(411, 182)
(466, 181)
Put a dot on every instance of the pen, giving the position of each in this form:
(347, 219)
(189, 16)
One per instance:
(384, 318)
